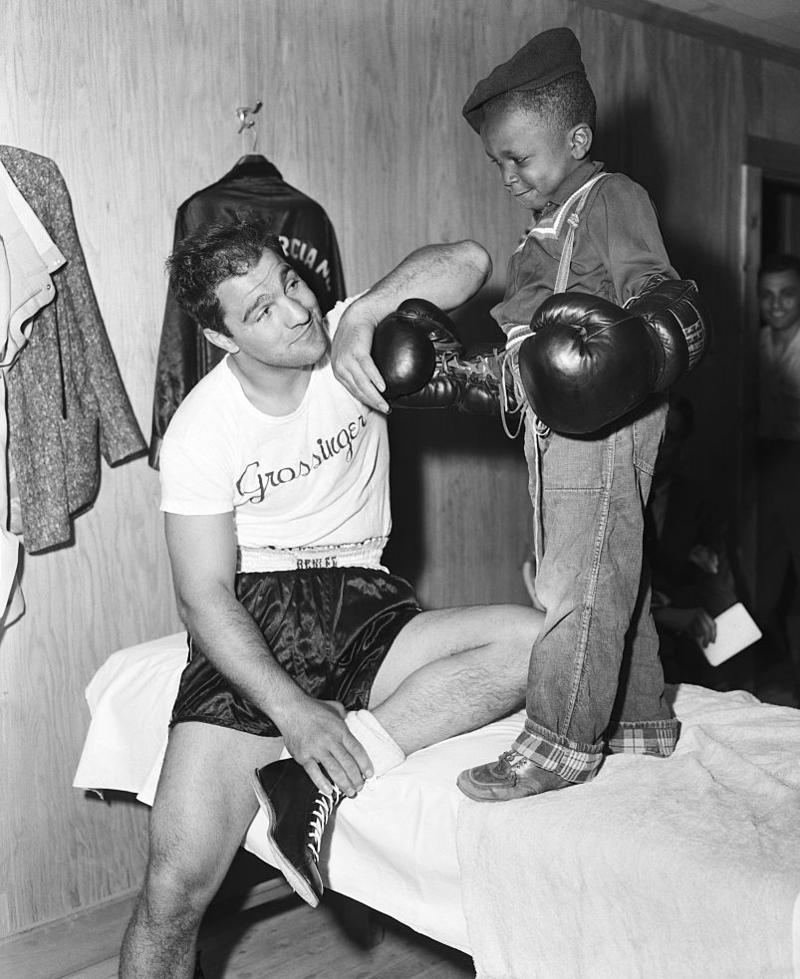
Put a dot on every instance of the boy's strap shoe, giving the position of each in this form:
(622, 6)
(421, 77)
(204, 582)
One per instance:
(297, 814)
(512, 776)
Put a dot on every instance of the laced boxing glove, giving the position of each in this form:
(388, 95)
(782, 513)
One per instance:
(474, 383)
(432, 321)
(590, 361)
(401, 351)
(404, 355)
(409, 348)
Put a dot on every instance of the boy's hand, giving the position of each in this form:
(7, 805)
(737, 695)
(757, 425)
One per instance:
(353, 365)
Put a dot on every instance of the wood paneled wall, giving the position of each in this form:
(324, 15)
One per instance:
(136, 103)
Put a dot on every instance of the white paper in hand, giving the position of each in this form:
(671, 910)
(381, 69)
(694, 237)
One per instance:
(736, 630)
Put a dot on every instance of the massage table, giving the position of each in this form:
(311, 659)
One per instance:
(684, 867)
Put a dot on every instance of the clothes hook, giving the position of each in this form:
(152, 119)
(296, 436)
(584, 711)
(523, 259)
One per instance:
(244, 113)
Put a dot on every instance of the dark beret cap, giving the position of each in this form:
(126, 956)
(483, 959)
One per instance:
(546, 57)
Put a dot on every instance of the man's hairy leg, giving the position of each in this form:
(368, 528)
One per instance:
(454, 670)
(203, 807)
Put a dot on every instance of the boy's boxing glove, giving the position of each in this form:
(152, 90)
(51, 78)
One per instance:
(590, 361)
(474, 383)
(674, 309)
(410, 349)
(401, 350)
(403, 354)
(432, 321)
(487, 387)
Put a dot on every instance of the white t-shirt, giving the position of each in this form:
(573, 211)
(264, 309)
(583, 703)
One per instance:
(316, 479)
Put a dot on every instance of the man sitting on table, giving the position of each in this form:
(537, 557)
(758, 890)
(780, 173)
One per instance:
(275, 488)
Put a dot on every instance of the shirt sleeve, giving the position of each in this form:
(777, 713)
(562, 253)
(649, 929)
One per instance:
(192, 482)
(623, 227)
(334, 316)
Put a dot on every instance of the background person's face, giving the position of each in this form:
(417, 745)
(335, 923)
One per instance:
(779, 298)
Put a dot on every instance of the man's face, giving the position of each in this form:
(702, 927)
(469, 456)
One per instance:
(532, 157)
(273, 316)
(779, 297)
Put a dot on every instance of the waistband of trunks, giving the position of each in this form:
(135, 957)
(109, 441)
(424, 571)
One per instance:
(363, 554)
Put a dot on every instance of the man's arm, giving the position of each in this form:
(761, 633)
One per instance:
(447, 275)
(202, 551)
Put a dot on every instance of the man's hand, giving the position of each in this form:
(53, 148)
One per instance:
(352, 361)
(446, 274)
(704, 558)
(317, 737)
(694, 622)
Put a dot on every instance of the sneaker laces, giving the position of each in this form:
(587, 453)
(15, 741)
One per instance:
(512, 759)
(323, 807)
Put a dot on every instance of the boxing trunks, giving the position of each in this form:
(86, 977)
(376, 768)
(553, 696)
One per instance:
(329, 628)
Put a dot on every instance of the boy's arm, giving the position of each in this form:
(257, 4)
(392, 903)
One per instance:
(445, 274)
(622, 224)
(202, 551)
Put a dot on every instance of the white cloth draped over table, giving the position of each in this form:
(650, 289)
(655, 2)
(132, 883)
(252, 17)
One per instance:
(683, 868)
(675, 869)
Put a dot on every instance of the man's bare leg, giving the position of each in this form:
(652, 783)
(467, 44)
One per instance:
(454, 670)
(447, 672)
(203, 807)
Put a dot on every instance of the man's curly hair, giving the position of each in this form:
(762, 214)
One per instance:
(212, 253)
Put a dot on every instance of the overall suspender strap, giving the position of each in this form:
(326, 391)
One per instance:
(570, 213)
(573, 220)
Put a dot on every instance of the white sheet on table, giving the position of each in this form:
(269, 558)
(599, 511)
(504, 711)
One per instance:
(392, 848)
(667, 869)
(130, 699)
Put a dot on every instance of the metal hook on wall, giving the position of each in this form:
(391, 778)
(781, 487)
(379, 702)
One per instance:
(244, 114)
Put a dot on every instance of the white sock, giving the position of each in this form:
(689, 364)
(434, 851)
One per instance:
(384, 752)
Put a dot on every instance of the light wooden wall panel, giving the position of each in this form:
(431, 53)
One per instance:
(136, 103)
(363, 113)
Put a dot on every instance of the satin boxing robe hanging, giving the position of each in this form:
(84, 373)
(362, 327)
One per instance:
(310, 244)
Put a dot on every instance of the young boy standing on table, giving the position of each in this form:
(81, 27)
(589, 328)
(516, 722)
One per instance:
(598, 327)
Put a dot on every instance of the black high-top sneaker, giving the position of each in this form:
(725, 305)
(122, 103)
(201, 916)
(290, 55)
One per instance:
(297, 814)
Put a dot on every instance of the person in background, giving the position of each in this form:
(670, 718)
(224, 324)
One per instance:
(685, 543)
(778, 548)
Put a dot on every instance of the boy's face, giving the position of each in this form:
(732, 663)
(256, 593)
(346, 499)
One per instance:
(779, 297)
(532, 157)
(273, 316)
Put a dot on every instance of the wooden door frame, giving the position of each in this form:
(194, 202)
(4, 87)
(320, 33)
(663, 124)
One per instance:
(771, 160)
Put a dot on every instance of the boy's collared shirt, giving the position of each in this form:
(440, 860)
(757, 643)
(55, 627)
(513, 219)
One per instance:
(618, 246)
